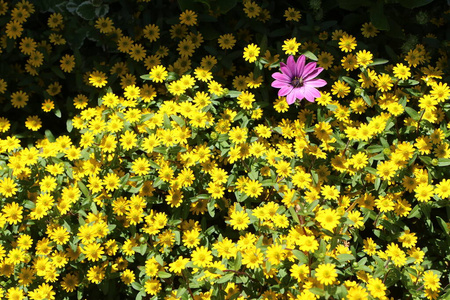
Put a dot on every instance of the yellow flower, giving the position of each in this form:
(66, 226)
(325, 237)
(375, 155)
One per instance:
(347, 43)
(96, 274)
(290, 46)
(401, 71)
(239, 220)
(152, 286)
(127, 277)
(55, 20)
(369, 30)
(19, 99)
(307, 243)
(105, 25)
(251, 53)
(251, 9)
(158, 73)
(329, 192)
(376, 287)
(424, 192)
(70, 282)
(8, 187)
(151, 32)
(27, 45)
(98, 79)
(14, 29)
(201, 257)
(188, 17)
(340, 89)
(325, 60)
(252, 257)
(291, 14)
(227, 41)
(178, 265)
(364, 58)
(349, 62)
(328, 218)
(326, 274)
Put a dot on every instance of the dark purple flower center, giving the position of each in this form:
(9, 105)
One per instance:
(297, 82)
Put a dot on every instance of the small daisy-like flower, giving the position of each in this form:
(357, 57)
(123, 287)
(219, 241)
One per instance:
(297, 80)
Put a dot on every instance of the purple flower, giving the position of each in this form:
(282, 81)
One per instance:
(296, 80)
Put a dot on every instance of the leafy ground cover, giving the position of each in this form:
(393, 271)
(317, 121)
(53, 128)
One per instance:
(218, 149)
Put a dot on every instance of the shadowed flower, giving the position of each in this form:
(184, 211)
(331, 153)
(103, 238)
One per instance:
(296, 80)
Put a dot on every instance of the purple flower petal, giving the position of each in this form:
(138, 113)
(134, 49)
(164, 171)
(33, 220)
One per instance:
(299, 93)
(291, 64)
(313, 73)
(290, 98)
(311, 93)
(278, 84)
(287, 71)
(281, 77)
(300, 65)
(315, 83)
(308, 69)
(285, 90)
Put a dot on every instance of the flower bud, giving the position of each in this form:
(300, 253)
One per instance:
(214, 135)
(358, 91)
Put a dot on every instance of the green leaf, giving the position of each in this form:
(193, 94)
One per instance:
(317, 291)
(415, 212)
(442, 162)
(353, 83)
(375, 149)
(310, 55)
(408, 82)
(412, 113)
(233, 94)
(302, 258)
(102, 10)
(378, 61)
(86, 10)
(179, 120)
(442, 224)
(137, 286)
(392, 277)
(211, 208)
(49, 136)
(162, 274)
(426, 159)
(342, 258)
(69, 125)
(226, 278)
(146, 77)
(83, 189)
(294, 215)
(238, 261)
